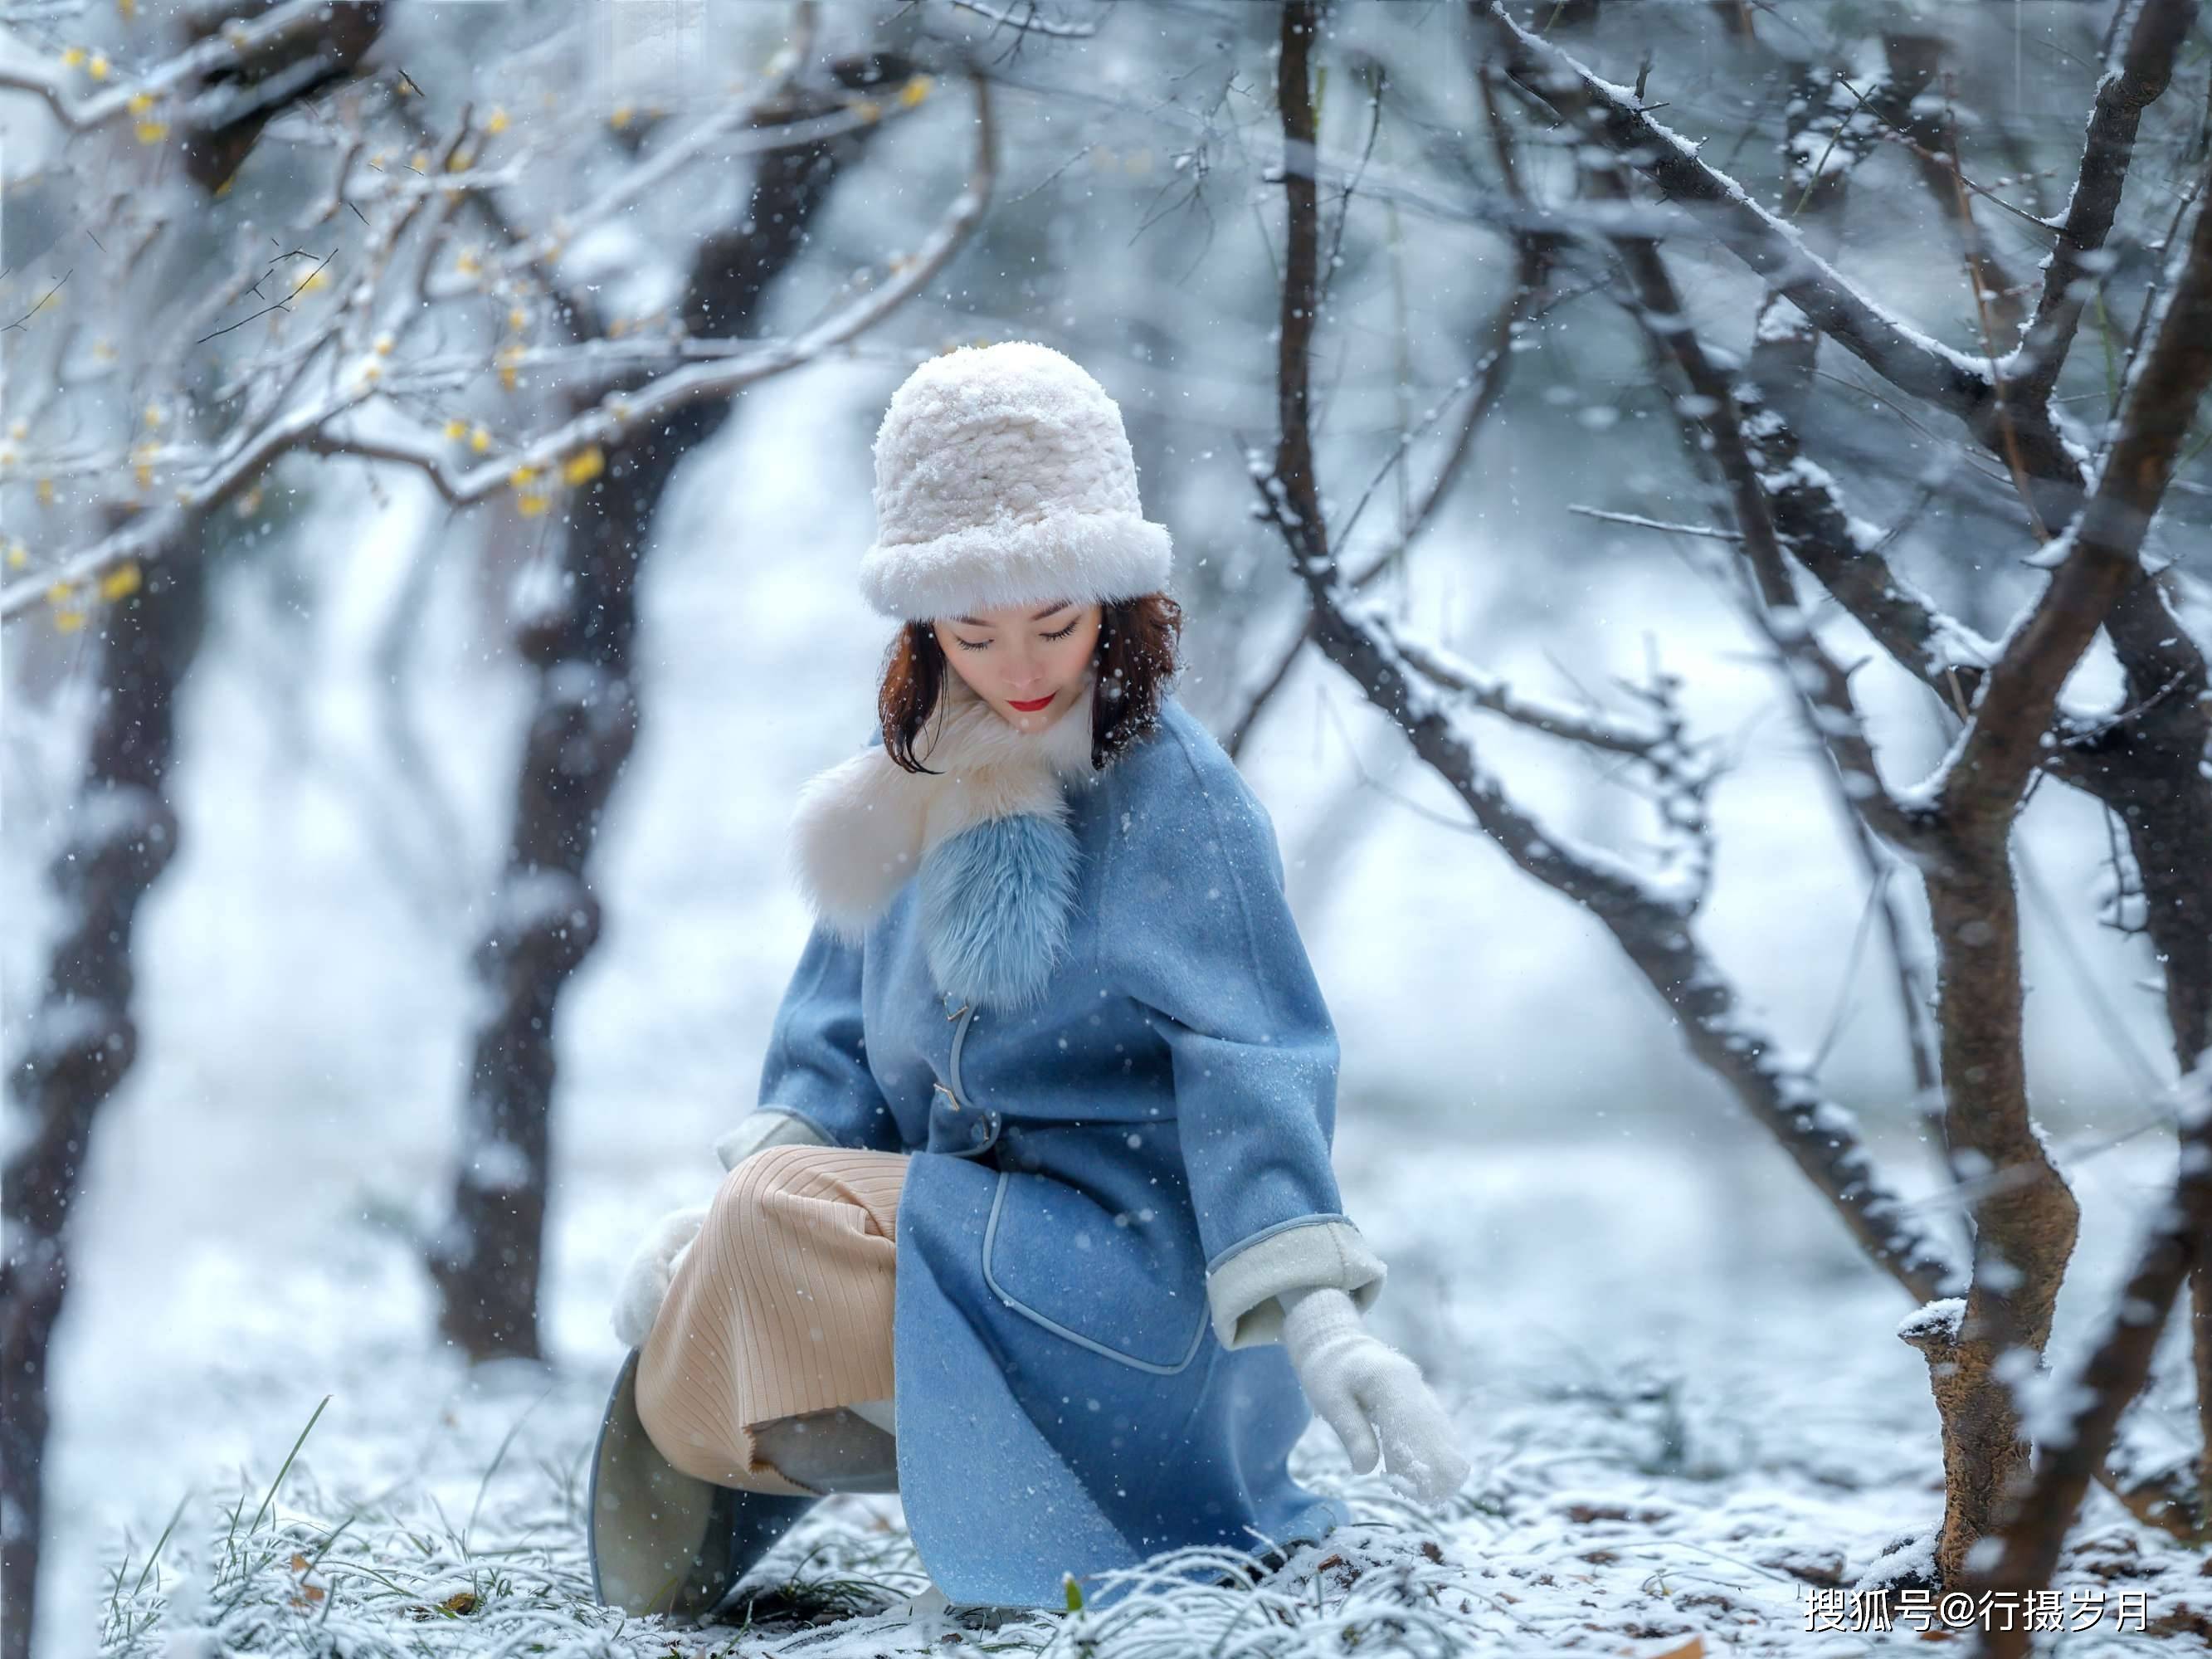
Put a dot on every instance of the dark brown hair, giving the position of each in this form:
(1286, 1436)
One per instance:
(1135, 658)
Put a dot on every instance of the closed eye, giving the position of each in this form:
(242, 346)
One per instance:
(984, 645)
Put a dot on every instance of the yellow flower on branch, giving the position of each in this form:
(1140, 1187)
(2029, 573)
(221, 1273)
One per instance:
(915, 90)
(584, 466)
(530, 503)
(480, 440)
(120, 582)
(496, 121)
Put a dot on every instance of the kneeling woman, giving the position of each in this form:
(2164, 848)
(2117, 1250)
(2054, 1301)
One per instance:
(1035, 1223)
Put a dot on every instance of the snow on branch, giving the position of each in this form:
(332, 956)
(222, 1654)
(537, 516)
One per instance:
(1822, 685)
(1651, 921)
(2136, 75)
(356, 404)
(240, 50)
(1612, 116)
(722, 137)
(1843, 554)
(2097, 554)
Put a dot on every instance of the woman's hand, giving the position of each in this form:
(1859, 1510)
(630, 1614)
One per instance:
(1373, 1395)
(645, 1282)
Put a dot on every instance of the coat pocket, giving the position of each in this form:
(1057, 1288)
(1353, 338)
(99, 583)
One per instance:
(1131, 1289)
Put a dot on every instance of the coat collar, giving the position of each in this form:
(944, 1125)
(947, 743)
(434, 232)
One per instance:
(863, 828)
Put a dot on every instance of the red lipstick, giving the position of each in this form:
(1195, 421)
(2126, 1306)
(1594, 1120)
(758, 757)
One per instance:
(1030, 708)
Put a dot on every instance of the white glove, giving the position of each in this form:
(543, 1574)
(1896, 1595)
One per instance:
(645, 1282)
(764, 1126)
(1363, 1388)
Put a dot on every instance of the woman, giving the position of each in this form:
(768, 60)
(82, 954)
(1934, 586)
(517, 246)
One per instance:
(1035, 1224)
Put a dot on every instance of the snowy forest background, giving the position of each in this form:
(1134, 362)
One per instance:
(309, 322)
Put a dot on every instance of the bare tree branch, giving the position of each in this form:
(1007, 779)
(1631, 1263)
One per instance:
(242, 50)
(2096, 556)
(1899, 354)
(2135, 76)
(1651, 922)
(319, 427)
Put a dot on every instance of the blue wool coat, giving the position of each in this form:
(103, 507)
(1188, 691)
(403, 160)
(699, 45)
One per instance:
(1108, 1187)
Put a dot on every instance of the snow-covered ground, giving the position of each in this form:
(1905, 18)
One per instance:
(1682, 1395)
(1681, 1387)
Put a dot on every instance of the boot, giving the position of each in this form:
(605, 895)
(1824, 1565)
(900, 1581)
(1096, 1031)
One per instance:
(833, 1451)
(660, 1541)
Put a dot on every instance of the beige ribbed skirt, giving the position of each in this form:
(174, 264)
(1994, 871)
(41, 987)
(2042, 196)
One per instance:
(782, 1305)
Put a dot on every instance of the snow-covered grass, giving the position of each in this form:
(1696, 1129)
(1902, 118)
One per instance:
(1682, 1395)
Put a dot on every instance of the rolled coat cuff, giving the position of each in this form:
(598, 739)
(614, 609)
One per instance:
(767, 1126)
(1315, 1252)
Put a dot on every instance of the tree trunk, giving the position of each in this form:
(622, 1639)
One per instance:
(2025, 1217)
(84, 1040)
(486, 1257)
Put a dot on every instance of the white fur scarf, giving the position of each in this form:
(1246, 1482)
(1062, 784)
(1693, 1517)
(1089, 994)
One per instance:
(986, 829)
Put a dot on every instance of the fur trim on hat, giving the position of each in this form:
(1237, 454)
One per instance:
(1089, 558)
(988, 835)
(1004, 477)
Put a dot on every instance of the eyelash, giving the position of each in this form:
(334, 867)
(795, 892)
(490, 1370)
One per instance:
(967, 645)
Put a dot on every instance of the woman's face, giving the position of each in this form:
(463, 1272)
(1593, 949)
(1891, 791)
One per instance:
(1027, 662)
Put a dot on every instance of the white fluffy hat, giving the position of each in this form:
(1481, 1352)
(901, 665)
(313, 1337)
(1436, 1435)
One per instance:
(1004, 477)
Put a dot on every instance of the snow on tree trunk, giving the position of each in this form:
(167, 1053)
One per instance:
(579, 629)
